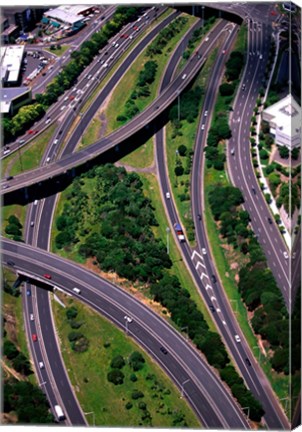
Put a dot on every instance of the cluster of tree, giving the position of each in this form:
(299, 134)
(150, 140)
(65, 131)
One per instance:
(142, 89)
(188, 160)
(189, 107)
(285, 153)
(219, 130)
(19, 361)
(261, 295)
(78, 341)
(14, 228)
(234, 65)
(27, 401)
(80, 59)
(122, 240)
(116, 376)
(165, 36)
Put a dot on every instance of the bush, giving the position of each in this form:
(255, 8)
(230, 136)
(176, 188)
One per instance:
(133, 377)
(10, 350)
(136, 361)
(71, 312)
(128, 405)
(75, 324)
(182, 150)
(73, 336)
(116, 377)
(136, 394)
(142, 405)
(117, 362)
(179, 170)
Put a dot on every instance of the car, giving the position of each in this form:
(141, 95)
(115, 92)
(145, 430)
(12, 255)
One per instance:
(205, 113)
(56, 141)
(113, 43)
(285, 254)
(48, 160)
(293, 256)
(10, 263)
(71, 97)
(63, 107)
(232, 151)
(260, 57)
(48, 121)
(128, 318)
(254, 190)
(6, 152)
(34, 337)
(28, 292)
(247, 360)
(41, 365)
(223, 51)
(32, 223)
(206, 39)
(237, 338)
(117, 45)
(21, 141)
(163, 350)
(168, 195)
(47, 276)
(212, 309)
(184, 76)
(31, 317)
(213, 277)
(9, 177)
(269, 220)
(202, 127)
(30, 131)
(243, 87)
(199, 217)
(36, 202)
(204, 251)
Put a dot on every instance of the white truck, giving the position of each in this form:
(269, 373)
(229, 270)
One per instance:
(59, 412)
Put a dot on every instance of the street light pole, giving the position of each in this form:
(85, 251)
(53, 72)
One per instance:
(182, 388)
(168, 246)
(93, 416)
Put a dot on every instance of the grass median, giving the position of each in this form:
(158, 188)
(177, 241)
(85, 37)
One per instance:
(116, 405)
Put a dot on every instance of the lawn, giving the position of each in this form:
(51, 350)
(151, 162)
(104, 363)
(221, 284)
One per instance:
(142, 157)
(30, 155)
(58, 52)
(88, 374)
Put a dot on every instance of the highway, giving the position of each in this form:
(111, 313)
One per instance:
(117, 137)
(207, 395)
(201, 266)
(55, 379)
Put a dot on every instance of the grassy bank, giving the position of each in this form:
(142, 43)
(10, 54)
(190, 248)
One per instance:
(30, 155)
(88, 373)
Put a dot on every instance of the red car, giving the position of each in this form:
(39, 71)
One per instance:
(71, 97)
(34, 337)
(47, 276)
(135, 28)
(30, 131)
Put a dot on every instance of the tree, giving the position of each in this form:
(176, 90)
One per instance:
(71, 312)
(10, 350)
(136, 394)
(182, 150)
(136, 361)
(226, 89)
(117, 362)
(116, 377)
(179, 170)
(295, 153)
(283, 152)
(21, 364)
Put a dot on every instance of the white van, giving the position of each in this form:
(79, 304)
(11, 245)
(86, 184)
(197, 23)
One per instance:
(76, 290)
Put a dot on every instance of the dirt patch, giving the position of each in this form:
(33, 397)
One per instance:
(11, 323)
(11, 371)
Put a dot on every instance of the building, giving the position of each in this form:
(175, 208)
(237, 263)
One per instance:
(13, 98)
(284, 118)
(78, 9)
(11, 60)
(10, 34)
(60, 17)
(23, 17)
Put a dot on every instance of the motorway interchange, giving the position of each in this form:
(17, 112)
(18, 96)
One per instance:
(213, 404)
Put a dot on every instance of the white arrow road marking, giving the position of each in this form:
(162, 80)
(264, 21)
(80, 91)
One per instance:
(196, 253)
(208, 287)
(200, 264)
(203, 274)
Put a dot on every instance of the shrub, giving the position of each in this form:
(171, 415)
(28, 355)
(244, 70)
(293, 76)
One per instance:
(182, 150)
(142, 405)
(136, 361)
(116, 377)
(133, 377)
(136, 394)
(179, 170)
(71, 312)
(117, 362)
(128, 405)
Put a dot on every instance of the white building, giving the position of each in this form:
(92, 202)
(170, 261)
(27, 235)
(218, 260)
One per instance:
(284, 118)
(11, 60)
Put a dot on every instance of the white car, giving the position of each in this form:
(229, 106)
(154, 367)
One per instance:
(237, 338)
(41, 365)
(204, 251)
(206, 113)
(202, 127)
(168, 195)
(285, 254)
(128, 318)
(184, 76)
(32, 317)
(206, 39)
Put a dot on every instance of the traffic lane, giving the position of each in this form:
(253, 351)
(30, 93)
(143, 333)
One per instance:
(90, 282)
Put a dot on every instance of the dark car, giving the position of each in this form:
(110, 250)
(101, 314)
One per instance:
(10, 263)
(199, 217)
(163, 350)
(269, 221)
(248, 362)
(213, 277)
(211, 307)
(9, 177)
(254, 190)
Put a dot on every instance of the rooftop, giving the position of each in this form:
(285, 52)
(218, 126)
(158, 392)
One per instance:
(63, 16)
(286, 114)
(8, 95)
(11, 58)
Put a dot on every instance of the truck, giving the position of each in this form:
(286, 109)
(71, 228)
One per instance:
(59, 412)
(179, 232)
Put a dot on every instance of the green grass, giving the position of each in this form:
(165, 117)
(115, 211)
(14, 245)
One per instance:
(15, 209)
(32, 155)
(181, 185)
(123, 91)
(12, 307)
(88, 374)
(58, 52)
(91, 134)
(142, 157)
(179, 268)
